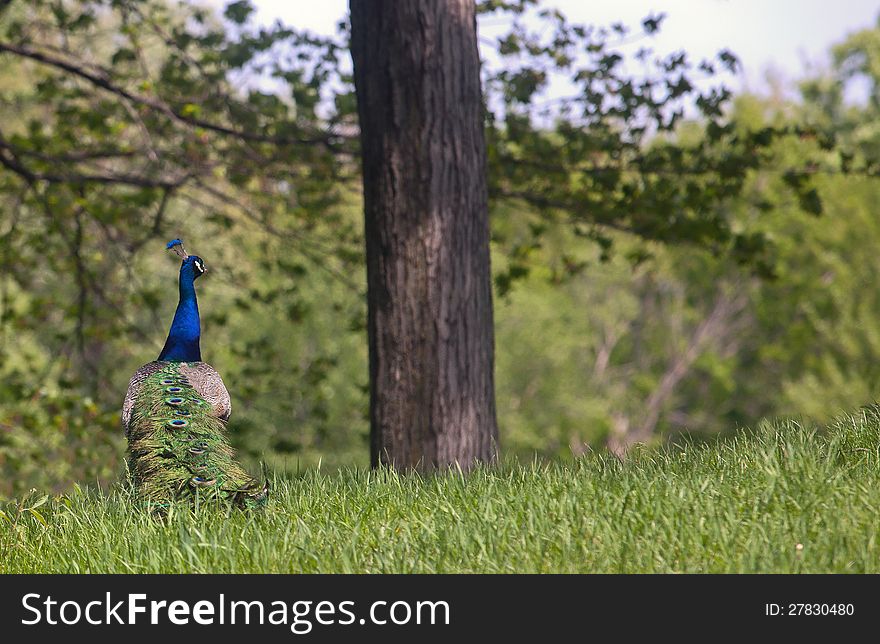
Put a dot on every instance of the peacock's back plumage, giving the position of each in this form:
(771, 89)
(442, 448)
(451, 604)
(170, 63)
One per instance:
(174, 415)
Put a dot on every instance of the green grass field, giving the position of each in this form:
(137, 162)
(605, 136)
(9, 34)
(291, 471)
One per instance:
(783, 498)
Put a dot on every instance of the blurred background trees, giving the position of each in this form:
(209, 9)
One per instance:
(668, 259)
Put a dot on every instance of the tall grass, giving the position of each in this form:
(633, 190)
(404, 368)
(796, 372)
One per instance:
(783, 498)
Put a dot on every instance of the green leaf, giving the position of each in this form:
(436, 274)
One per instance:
(123, 54)
(38, 516)
(238, 12)
(811, 202)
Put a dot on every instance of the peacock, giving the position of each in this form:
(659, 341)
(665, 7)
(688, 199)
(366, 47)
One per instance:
(174, 416)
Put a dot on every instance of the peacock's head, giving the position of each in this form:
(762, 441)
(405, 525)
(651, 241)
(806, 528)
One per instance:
(196, 264)
(191, 263)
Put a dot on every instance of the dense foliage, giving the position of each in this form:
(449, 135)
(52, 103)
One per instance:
(665, 259)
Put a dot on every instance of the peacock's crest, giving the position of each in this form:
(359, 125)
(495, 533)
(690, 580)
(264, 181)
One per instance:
(175, 415)
(176, 245)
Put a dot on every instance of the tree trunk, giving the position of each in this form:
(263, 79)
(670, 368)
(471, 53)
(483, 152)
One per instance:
(416, 71)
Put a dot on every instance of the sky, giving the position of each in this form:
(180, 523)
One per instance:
(784, 37)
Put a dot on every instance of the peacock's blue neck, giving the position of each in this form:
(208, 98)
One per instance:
(182, 344)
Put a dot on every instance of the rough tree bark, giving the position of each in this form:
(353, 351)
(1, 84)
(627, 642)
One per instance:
(416, 72)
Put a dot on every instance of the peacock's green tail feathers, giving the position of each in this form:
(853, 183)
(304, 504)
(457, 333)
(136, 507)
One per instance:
(178, 451)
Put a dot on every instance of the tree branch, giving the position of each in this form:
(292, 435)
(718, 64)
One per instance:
(9, 159)
(103, 81)
(715, 327)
